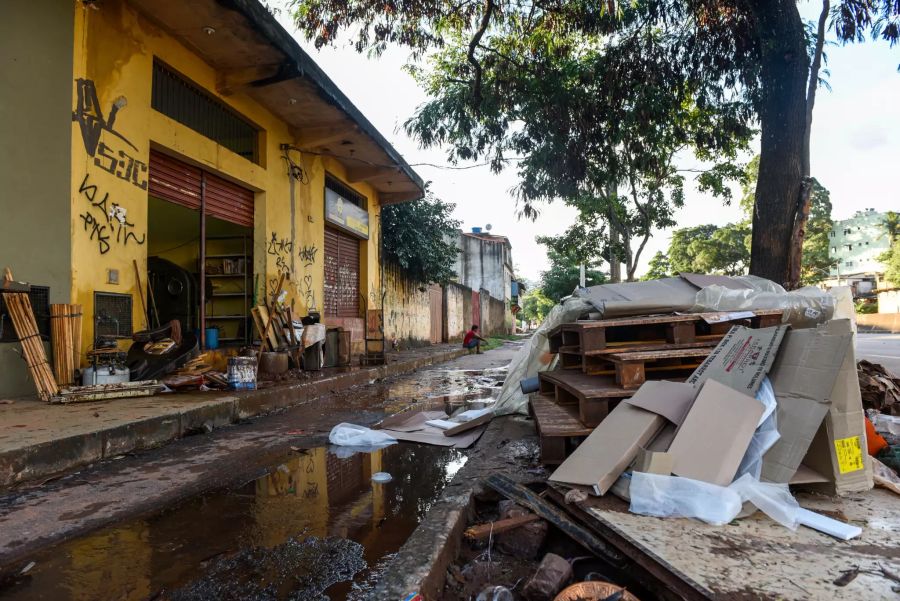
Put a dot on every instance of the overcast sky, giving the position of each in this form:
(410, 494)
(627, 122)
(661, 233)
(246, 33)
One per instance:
(855, 144)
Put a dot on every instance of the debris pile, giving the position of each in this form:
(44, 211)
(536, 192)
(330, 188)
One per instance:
(880, 389)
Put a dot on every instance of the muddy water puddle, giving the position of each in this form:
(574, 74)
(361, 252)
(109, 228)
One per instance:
(315, 527)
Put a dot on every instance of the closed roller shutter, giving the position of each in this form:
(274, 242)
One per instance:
(172, 180)
(341, 274)
(178, 182)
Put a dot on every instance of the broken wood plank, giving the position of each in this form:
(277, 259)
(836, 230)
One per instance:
(526, 498)
(484, 531)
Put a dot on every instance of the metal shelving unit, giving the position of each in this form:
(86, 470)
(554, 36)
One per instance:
(244, 333)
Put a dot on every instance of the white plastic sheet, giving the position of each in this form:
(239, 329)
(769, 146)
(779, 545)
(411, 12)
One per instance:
(765, 436)
(351, 435)
(803, 308)
(672, 496)
(532, 357)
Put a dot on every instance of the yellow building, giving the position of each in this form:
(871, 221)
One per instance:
(194, 138)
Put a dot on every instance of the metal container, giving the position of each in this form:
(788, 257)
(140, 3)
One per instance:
(242, 373)
(105, 375)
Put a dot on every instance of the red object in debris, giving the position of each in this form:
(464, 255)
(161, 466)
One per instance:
(874, 441)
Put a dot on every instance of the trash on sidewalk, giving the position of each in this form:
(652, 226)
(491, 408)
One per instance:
(351, 435)
(553, 573)
(429, 425)
(880, 389)
(381, 477)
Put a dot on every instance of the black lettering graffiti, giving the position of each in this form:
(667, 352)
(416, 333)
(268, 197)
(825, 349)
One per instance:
(309, 295)
(113, 225)
(281, 249)
(93, 123)
(308, 255)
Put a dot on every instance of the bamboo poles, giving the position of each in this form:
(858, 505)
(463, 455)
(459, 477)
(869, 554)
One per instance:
(65, 330)
(19, 306)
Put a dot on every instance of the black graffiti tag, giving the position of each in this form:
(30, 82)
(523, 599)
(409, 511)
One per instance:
(308, 255)
(281, 249)
(113, 224)
(93, 123)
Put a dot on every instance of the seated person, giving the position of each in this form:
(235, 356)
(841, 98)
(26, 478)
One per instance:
(473, 340)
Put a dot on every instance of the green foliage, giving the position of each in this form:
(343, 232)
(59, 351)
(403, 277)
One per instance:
(536, 306)
(891, 260)
(865, 307)
(710, 249)
(562, 278)
(418, 236)
(658, 267)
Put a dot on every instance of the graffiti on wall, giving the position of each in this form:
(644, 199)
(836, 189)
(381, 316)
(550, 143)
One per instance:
(281, 249)
(308, 255)
(105, 220)
(92, 122)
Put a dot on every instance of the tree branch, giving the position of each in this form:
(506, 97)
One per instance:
(473, 44)
(812, 86)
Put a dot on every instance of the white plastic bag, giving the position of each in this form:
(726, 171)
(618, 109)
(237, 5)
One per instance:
(351, 435)
(774, 500)
(803, 308)
(765, 436)
(671, 497)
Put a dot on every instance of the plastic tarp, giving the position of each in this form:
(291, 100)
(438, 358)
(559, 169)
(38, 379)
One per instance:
(803, 308)
(534, 356)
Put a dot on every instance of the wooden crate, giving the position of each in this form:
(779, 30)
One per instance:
(598, 362)
(592, 396)
(632, 368)
(558, 427)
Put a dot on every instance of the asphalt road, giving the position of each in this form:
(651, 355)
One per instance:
(880, 348)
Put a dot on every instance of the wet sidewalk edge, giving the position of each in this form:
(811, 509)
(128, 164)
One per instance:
(31, 463)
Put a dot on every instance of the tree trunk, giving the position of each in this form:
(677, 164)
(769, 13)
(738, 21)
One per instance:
(785, 68)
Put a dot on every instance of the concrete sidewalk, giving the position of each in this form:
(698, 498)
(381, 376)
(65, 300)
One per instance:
(39, 440)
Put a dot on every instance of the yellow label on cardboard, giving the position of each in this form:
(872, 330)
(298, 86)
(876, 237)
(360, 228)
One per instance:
(849, 454)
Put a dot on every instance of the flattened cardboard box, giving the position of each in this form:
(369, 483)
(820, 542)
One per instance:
(839, 449)
(714, 437)
(742, 359)
(803, 376)
(613, 445)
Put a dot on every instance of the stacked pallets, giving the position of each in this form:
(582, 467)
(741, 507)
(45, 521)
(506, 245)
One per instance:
(602, 362)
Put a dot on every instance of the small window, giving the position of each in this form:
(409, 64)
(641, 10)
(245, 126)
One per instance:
(848, 264)
(832, 233)
(834, 249)
(112, 314)
(848, 231)
(849, 247)
(346, 192)
(40, 304)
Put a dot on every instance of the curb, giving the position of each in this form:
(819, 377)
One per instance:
(62, 455)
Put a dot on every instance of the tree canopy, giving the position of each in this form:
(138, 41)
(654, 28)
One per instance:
(563, 276)
(536, 305)
(595, 95)
(417, 236)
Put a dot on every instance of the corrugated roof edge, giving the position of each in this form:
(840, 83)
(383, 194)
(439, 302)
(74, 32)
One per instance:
(266, 24)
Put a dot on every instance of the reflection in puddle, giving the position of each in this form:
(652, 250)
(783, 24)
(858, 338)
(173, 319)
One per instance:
(260, 541)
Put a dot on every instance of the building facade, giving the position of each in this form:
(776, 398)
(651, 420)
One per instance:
(192, 145)
(484, 263)
(855, 245)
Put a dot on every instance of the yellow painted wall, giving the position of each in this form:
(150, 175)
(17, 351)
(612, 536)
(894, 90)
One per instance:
(113, 57)
(407, 308)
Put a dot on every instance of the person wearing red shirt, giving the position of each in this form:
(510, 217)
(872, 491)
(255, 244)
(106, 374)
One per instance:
(473, 340)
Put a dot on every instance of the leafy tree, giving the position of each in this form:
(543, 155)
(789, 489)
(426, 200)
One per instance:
(564, 274)
(891, 224)
(681, 252)
(658, 267)
(416, 237)
(579, 89)
(891, 257)
(536, 306)
(710, 249)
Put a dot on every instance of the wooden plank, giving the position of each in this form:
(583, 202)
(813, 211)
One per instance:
(516, 492)
(466, 426)
(654, 355)
(554, 420)
(661, 345)
(486, 531)
(585, 386)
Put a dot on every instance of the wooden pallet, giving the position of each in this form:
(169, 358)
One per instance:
(598, 362)
(594, 396)
(558, 427)
(627, 333)
(632, 368)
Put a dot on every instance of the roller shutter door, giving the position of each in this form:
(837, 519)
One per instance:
(341, 274)
(180, 183)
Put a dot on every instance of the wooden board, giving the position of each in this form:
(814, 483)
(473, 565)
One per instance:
(755, 557)
(594, 396)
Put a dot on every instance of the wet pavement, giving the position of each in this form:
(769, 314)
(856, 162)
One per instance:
(189, 521)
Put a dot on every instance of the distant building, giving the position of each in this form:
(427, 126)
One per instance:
(854, 245)
(484, 263)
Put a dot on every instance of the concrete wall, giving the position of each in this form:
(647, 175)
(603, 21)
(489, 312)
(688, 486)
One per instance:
(35, 173)
(457, 311)
(889, 301)
(879, 322)
(497, 316)
(484, 264)
(407, 309)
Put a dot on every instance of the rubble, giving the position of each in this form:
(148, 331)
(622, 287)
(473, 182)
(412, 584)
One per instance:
(880, 389)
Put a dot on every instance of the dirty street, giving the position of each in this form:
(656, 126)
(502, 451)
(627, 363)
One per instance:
(477, 300)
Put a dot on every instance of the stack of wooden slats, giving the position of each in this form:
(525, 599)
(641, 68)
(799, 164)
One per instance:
(602, 362)
(275, 325)
(65, 334)
(19, 307)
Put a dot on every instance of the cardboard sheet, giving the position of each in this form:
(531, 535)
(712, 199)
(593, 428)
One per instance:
(613, 445)
(803, 377)
(742, 358)
(410, 426)
(711, 442)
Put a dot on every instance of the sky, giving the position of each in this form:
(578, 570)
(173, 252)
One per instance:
(855, 150)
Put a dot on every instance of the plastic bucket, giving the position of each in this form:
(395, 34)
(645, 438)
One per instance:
(212, 338)
(530, 385)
